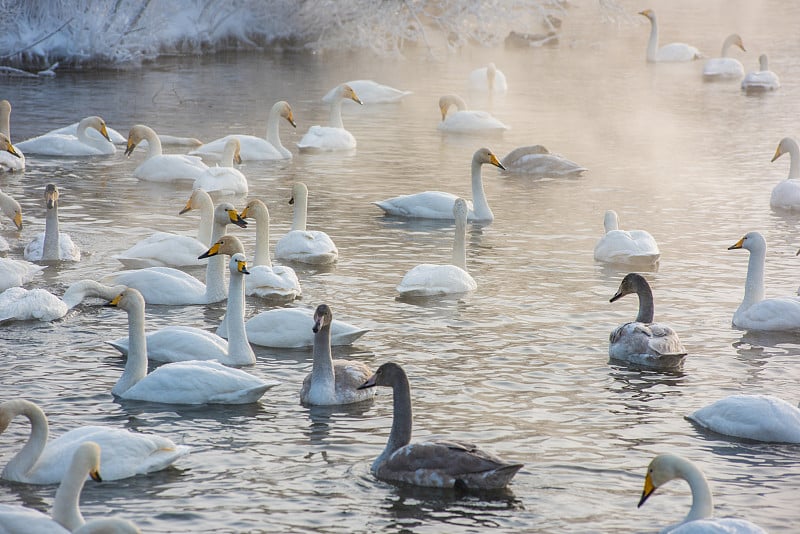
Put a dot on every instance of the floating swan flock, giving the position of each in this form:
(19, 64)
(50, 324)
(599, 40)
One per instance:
(200, 367)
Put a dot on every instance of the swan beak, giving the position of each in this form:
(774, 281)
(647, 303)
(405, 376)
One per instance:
(736, 245)
(290, 118)
(18, 220)
(237, 158)
(778, 154)
(645, 13)
(237, 219)
(213, 251)
(317, 323)
(241, 266)
(648, 490)
(243, 214)
(130, 147)
(443, 109)
(95, 474)
(50, 196)
(356, 99)
(291, 201)
(104, 132)
(370, 383)
(494, 161)
(187, 207)
(11, 150)
(115, 300)
(618, 295)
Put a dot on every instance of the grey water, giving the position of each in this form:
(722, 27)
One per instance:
(520, 366)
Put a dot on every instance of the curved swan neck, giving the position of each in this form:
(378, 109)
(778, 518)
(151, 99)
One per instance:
(273, 130)
(763, 63)
(262, 238)
(206, 226)
(480, 205)
(26, 458)
(136, 365)
(610, 221)
(50, 247)
(702, 502)
(460, 244)
(66, 505)
(77, 291)
(216, 290)
(646, 308)
(239, 349)
(729, 41)
(336, 113)
(754, 285)
(5, 118)
(322, 373)
(153, 142)
(794, 159)
(400, 436)
(81, 134)
(300, 209)
(228, 153)
(652, 44)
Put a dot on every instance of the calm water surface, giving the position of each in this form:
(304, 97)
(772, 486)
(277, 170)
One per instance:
(520, 366)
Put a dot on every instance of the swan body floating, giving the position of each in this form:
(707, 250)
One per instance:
(52, 245)
(464, 120)
(169, 286)
(255, 148)
(9, 161)
(182, 343)
(80, 144)
(666, 467)
(755, 312)
(332, 137)
(643, 342)
(160, 167)
(11, 209)
(488, 79)
(119, 139)
(756, 417)
(192, 382)
(761, 80)
(633, 247)
(426, 279)
(14, 273)
(439, 205)
(332, 382)
(66, 514)
(125, 453)
(786, 194)
(667, 53)
(369, 92)
(725, 67)
(267, 280)
(225, 178)
(441, 464)
(291, 328)
(165, 249)
(538, 161)
(19, 304)
(305, 246)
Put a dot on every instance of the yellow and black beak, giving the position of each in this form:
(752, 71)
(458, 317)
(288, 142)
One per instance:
(290, 118)
(187, 207)
(241, 266)
(736, 245)
(648, 490)
(104, 132)
(115, 300)
(213, 251)
(11, 150)
(18, 220)
(237, 219)
(496, 162)
(778, 154)
(95, 474)
(130, 147)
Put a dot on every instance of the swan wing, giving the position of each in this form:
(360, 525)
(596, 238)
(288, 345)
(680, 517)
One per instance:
(163, 249)
(161, 285)
(177, 343)
(756, 417)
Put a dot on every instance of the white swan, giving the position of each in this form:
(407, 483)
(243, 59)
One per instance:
(125, 453)
(267, 280)
(761, 80)
(439, 205)
(169, 286)
(644, 342)
(291, 328)
(66, 514)
(538, 161)
(80, 144)
(191, 382)
(224, 179)
(725, 67)
(332, 382)
(119, 139)
(159, 167)
(488, 79)
(427, 279)
(786, 194)
(369, 92)
(305, 246)
(9, 161)
(52, 245)
(165, 249)
(334, 136)
(755, 312)
(252, 147)
(19, 304)
(667, 53)
(666, 467)
(14, 273)
(182, 343)
(464, 120)
(13, 211)
(632, 247)
(440, 464)
(755, 417)
(8, 155)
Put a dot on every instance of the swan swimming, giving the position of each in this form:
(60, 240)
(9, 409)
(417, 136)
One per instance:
(52, 245)
(786, 193)
(632, 247)
(9, 161)
(464, 120)
(536, 160)
(488, 79)
(667, 53)
(725, 67)
(761, 80)
(369, 92)
(334, 136)
(225, 179)
(314, 247)
(160, 167)
(80, 144)
(20, 304)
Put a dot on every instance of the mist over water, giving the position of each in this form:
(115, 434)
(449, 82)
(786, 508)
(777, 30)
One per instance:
(519, 367)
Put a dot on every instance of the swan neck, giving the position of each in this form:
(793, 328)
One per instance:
(336, 113)
(646, 309)
(763, 64)
(273, 131)
(652, 44)
(76, 292)
(794, 161)
(726, 44)
(153, 143)
(18, 467)
(460, 245)
(50, 247)
(66, 505)
(262, 240)
(205, 228)
(227, 155)
(754, 285)
(136, 364)
(300, 210)
(216, 290)
(239, 349)
(702, 502)
(5, 121)
(480, 205)
(322, 374)
(400, 436)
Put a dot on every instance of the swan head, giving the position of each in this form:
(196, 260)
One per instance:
(649, 13)
(238, 263)
(285, 111)
(484, 155)
(630, 284)
(323, 316)
(196, 201)
(662, 469)
(51, 196)
(786, 145)
(254, 205)
(751, 241)
(235, 146)
(129, 299)
(734, 39)
(88, 456)
(98, 124)
(346, 92)
(5, 144)
(387, 374)
(763, 62)
(610, 221)
(136, 135)
(225, 213)
(299, 191)
(460, 210)
(451, 100)
(11, 209)
(227, 244)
